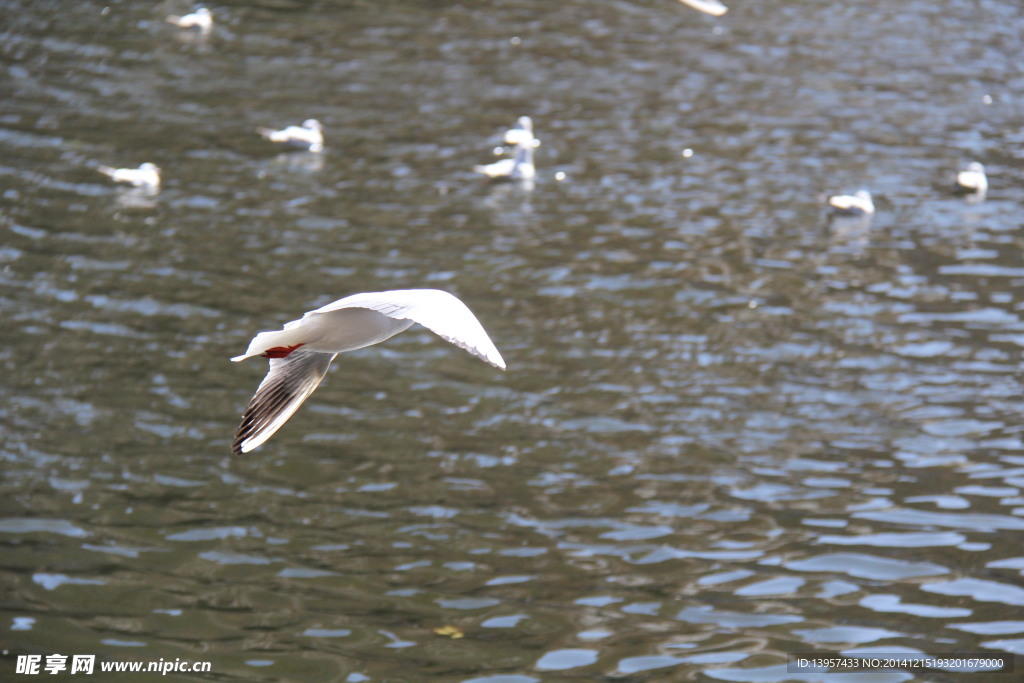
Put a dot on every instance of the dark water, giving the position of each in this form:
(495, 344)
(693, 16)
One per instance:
(731, 429)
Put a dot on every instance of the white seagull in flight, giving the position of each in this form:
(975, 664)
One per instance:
(147, 175)
(301, 352)
(310, 135)
(201, 19)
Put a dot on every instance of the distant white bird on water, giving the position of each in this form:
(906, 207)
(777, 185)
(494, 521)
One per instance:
(201, 19)
(712, 7)
(301, 353)
(309, 135)
(521, 133)
(972, 180)
(857, 204)
(520, 166)
(147, 175)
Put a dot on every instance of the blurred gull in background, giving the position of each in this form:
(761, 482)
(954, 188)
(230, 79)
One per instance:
(972, 181)
(307, 136)
(521, 133)
(146, 176)
(712, 7)
(520, 167)
(857, 204)
(202, 19)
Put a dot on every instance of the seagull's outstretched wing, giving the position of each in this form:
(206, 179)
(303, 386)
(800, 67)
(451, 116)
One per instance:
(712, 7)
(438, 311)
(301, 353)
(288, 383)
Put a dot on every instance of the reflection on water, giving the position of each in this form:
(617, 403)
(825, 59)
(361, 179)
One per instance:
(732, 427)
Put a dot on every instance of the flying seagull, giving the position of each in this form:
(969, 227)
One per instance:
(301, 352)
(201, 19)
(857, 204)
(309, 135)
(147, 175)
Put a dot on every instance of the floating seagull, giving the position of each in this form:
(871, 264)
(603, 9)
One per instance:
(521, 133)
(857, 204)
(147, 175)
(520, 166)
(712, 7)
(301, 352)
(972, 180)
(201, 19)
(307, 136)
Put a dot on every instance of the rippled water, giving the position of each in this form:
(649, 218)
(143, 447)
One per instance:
(731, 429)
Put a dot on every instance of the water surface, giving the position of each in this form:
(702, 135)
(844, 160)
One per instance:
(731, 429)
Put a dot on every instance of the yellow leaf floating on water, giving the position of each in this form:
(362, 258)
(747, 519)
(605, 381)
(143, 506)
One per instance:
(452, 631)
